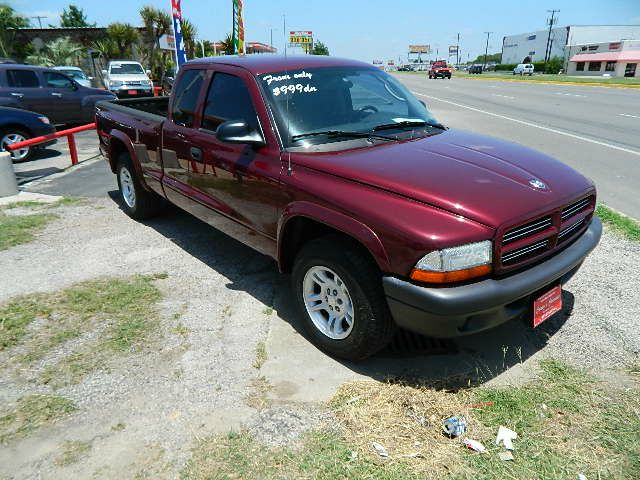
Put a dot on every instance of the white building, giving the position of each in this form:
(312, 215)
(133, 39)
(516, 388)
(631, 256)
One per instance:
(618, 59)
(531, 47)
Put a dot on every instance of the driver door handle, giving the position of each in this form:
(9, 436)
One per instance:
(56, 94)
(19, 95)
(196, 153)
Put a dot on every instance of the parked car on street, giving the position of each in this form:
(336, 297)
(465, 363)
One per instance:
(523, 69)
(49, 92)
(383, 216)
(77, 74)
(19, 125)
(126, 78)
(476, 69)
(440, 69)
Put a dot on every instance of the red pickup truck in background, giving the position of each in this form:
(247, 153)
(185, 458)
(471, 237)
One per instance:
(440, 69)
(383, 216)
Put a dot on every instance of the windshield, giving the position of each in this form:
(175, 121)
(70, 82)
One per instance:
(75, 74)
(342, 99)
(126, 69)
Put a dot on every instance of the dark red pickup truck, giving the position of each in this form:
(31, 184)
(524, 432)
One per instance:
(383, 216)
(440, 69)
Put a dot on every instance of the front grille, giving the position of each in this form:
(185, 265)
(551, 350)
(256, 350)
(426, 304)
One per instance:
(574, 208)
(529, 250)
(539, 237)
(526, 230)
(133, 83)
(568, 230)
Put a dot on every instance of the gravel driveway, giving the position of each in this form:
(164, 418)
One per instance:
(206, 381)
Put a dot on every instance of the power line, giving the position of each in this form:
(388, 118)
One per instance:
(486, 50)
(39, 17)
(547, 51)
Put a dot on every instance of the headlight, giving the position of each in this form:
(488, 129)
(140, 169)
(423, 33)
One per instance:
(115, 83)
(146, 83)
(454, 264)
(44, 120)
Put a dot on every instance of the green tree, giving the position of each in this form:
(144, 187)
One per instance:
(10, 21)
(226, 45)
(492, 57)
(319, 48)
(554, 65)
(124, 35)
(189, 34)
(107, 48)
(74, 17)
(61, 51)
(156, 24)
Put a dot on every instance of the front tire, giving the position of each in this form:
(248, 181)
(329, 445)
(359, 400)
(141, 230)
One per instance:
(13, 135)
(137, 202)
(340, 299)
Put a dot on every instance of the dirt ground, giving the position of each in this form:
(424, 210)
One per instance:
(229, 355)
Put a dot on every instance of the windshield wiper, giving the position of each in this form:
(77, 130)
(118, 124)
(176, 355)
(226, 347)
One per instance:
(408, 123)
(341, 133)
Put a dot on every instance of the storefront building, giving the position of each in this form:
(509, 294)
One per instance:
(616, 59)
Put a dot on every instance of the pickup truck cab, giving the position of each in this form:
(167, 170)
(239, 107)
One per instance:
(440, 69)
(383, 216)
(126, 78)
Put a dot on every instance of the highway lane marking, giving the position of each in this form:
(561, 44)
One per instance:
(534, 125)
(503, 96)
(571, 94)
(628, 115)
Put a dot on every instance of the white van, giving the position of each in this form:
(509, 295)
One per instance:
(524, 69)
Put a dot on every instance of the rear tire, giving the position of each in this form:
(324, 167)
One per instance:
(14, 135)
(137, 202)
(340, 298)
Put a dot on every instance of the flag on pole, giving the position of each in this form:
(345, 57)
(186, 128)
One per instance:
(238, 27)
(176, 12)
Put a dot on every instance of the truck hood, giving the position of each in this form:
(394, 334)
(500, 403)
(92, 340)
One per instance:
(128, 77)
(479, 177)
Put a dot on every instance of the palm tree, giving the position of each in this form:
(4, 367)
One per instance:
(156, 23)
(106, 47)
(124, 36)
(61, 51)
(227, 45)
(189, 33)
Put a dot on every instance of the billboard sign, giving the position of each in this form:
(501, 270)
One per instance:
(453, 50)
(419, 48)
(176, 12)
(301, 38)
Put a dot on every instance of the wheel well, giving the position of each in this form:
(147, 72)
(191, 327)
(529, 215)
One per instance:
(116, 147)
(17, 126)
(300, 230)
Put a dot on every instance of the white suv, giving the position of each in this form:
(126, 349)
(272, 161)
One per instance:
(523, 69)
(126, 78)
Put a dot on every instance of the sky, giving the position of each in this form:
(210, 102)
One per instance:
(363, 29)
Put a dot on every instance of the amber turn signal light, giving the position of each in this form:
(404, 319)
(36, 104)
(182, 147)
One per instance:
(449, 277)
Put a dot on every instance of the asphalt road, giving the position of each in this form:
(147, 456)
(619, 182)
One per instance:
(596, 130)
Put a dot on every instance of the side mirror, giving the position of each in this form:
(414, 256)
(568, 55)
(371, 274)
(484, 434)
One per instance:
(148, 73)
(238, 131)
(90, 78)
(104, 72)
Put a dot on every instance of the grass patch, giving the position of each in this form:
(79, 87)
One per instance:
(261, 355)
(626, 226)
(116, 314)
(323, 455)
(19, 229)
(181, 329)
(268, 311)
(257, 398)
(31, 413)
(72, 452)
(603, 81)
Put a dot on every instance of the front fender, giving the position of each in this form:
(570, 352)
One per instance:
(340, 222)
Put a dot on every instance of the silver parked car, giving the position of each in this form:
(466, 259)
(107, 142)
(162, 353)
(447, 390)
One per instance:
(77, 74)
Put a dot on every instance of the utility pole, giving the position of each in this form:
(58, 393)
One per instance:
(271, 38)
(547, 51)
(39, 17)
(486, 50)
(458, 52)
(284, 33)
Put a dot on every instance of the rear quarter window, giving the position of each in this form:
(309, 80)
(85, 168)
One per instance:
(185, 97)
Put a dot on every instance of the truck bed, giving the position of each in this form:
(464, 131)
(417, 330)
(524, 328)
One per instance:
(152, 108)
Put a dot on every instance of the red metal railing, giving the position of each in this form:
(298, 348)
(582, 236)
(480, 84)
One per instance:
(69, 133)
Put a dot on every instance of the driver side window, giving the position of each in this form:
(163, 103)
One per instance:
(228, 99)
(56, 80)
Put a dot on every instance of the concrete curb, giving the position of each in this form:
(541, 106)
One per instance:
(8, 181)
